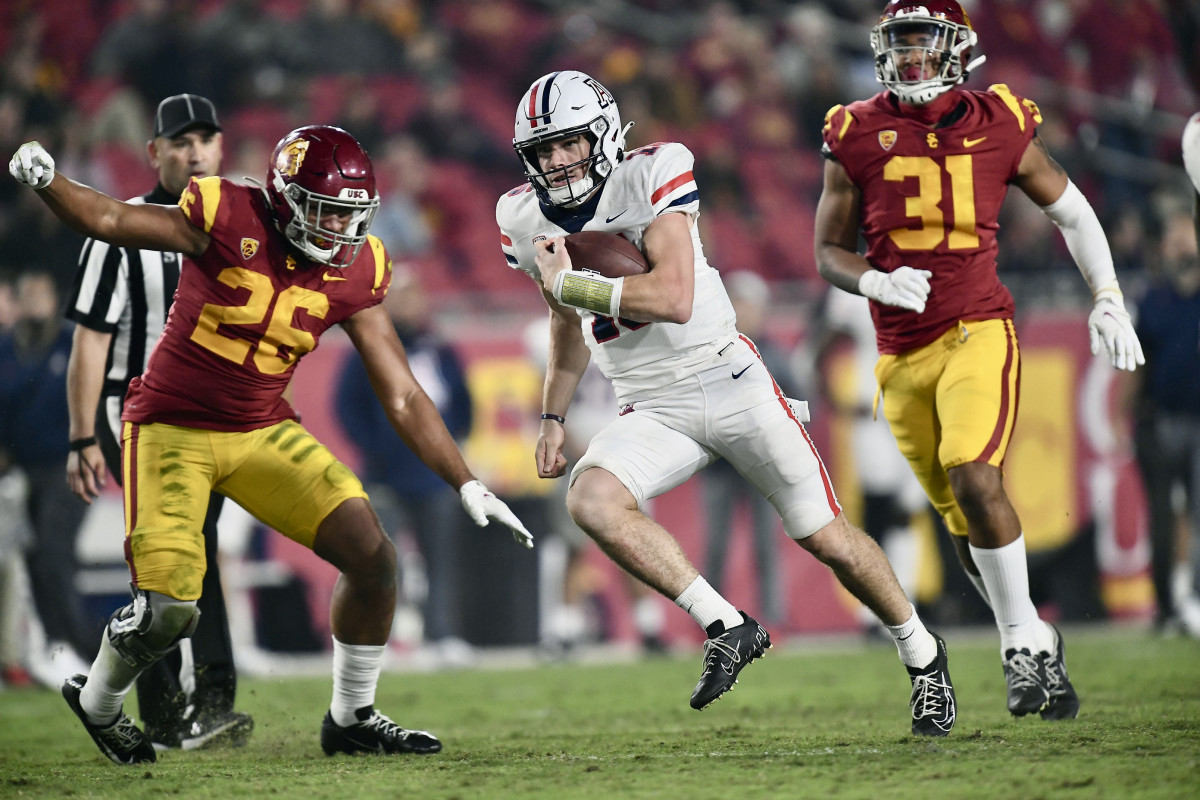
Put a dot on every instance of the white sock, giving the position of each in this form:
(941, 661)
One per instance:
(109, 680)
(1006, 577)
(704, 605)
(356, 670)
(916, 644)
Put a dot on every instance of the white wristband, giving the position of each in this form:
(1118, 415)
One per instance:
(589, 290)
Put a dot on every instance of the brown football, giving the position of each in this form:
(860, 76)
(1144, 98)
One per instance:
(609, 254)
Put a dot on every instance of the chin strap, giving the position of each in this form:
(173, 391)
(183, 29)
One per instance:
(975, 62)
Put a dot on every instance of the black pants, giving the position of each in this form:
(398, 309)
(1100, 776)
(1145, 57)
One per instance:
(161, 699)
(56, 516)
(1168, 454)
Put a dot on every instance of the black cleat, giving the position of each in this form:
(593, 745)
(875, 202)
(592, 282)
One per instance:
(932, 700)
(374, 733)
(207, 730)
(1064, 703)
(1027, 682)
(121, 741)
(225, 729)
(725, 654)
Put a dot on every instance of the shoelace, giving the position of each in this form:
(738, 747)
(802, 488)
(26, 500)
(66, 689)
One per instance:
(1056, 674)
(123, 733)
(1024, 667)
(714, 647)
(382, 724)
(927, 695)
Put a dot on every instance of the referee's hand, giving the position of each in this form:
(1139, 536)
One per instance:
(86, 472)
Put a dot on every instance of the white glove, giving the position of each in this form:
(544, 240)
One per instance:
(483, 506)
(32, 165)
(1109, 322)
(904, 287)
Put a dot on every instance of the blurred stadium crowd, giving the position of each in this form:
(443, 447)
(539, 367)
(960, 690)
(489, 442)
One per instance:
(429, 88)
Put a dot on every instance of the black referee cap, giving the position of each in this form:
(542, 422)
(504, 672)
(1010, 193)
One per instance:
(181, 112)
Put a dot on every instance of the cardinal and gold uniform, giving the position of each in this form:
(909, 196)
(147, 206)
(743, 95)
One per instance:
(930, 199)
(209, 412)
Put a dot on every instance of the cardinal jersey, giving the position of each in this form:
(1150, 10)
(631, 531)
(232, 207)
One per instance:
(637, 357)
(244, 314)
(930, 199)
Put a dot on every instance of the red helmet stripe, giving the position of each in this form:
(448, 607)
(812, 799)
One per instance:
(544, 113)
(533, 93)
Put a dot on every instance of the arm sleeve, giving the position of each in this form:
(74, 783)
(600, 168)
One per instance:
(1085, 238)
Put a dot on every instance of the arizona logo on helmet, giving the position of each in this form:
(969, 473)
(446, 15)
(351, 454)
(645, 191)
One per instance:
(291, 157)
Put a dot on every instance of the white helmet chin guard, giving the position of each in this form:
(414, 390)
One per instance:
(565, 104)
(939, 33)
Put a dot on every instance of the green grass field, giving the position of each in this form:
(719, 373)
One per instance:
(814, 719)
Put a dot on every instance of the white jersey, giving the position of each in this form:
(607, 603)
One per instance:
(639, 358)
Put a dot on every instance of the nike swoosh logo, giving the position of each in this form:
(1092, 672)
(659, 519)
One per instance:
(972, 142)
(737, 375)
(610, 219)
(373, 747)
(328, 277)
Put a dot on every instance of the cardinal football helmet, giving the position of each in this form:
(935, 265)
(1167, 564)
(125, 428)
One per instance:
(317, 171)
(934, 35)
(564, 104)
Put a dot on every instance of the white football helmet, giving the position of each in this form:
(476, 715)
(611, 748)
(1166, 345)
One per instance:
(945, 37)
(563, 104)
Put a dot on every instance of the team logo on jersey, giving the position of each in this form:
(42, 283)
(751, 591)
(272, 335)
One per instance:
(249, 248)
(290, 263)
(887, 139)
(291, 157)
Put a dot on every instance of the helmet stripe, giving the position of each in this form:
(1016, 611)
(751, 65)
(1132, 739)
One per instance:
(532, 111)
(544, 90)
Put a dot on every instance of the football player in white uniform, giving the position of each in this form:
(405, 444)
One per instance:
(690, 388)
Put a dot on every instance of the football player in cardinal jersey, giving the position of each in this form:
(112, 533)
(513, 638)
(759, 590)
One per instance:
(270, 269)
(690, 388)
(922, 168)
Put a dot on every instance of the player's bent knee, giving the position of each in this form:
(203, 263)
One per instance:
(595, 497)
(151, 626)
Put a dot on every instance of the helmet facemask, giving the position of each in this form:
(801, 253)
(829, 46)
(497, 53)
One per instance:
(596, 166)
(320, 244)
(919, 57)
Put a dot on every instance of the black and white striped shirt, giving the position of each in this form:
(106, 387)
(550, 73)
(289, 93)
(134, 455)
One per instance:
(125, 292)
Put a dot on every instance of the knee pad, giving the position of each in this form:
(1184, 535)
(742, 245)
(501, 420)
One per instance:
(150, 627)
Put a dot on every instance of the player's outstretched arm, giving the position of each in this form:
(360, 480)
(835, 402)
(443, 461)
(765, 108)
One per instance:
(416, 418)
(99, 216)
(1047, 184)
(835, 246)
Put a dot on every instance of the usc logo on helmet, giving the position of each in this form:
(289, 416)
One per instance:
(291, 157)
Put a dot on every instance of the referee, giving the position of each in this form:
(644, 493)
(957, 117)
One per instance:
(119, 301)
